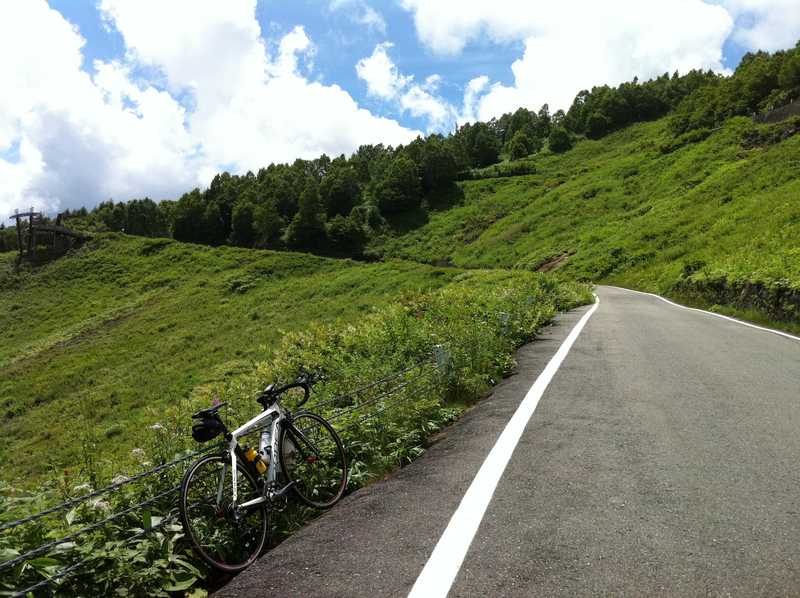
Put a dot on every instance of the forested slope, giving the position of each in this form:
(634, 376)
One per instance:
(336, 205)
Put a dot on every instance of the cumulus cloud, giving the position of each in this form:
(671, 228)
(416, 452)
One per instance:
(765, 24)
(432, 82)
(218, 97)
(251, 108)
(79, 137)
(577, 46)
(446, 26)
(421, 103)
(293, 47)
(471, 97)
(385, 81)
(380, 73)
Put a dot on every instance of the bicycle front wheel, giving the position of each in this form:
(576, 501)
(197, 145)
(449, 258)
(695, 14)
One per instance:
(226, 538)
(312, 456)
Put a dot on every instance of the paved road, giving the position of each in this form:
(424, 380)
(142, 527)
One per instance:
(663, 460)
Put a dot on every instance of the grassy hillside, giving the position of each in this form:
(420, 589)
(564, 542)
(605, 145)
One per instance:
(108, 336)
(115, 331)
(715, 220)
(477, 317)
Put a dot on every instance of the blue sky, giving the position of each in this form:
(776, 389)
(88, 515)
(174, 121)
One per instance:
(341, 42)
(121, 99)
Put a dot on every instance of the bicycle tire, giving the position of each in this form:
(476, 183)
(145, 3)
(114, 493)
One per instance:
(187, 514)
(304, 475)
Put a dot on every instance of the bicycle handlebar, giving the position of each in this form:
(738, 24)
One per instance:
(305, 385)
(305, 381)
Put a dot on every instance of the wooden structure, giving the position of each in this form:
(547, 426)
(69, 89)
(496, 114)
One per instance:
(33, 230)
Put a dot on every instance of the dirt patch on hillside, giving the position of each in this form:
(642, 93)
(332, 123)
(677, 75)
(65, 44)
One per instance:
(553, 263)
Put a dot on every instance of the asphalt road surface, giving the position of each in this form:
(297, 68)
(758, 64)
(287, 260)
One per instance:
(663, 459)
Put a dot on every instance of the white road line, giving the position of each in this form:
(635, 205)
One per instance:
(444, 563)
(710, 313)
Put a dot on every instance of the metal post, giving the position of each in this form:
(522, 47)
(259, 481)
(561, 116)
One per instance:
(31, 244)
(19, 232)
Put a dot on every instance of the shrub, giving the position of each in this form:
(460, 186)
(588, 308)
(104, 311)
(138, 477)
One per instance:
(346, 235)
(520, 146)
(560, 140)
(478, 322)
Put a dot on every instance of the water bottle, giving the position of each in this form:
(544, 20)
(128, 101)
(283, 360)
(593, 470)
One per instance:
(254, 456)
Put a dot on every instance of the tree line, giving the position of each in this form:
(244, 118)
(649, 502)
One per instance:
(332, 205)
(762, 82)
(335, 205)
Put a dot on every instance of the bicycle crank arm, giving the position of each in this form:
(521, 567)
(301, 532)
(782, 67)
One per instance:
(282, 492)
(252, 503)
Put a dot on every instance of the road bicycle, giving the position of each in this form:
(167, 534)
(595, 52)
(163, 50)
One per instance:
(226, 498)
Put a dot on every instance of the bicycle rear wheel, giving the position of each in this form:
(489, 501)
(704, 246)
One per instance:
(227, 539)
(312, 455)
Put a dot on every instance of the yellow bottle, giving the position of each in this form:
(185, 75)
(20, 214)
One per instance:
(252, 455)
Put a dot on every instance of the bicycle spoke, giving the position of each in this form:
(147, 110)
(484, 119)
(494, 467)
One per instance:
(314, 459)
(226, 538)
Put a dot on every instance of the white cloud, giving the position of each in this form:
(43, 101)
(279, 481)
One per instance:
(83, 138)
(385, 81)
(293, 46)
(471, 97)
(765, 24)
(361, 13)
(380, 73)
(446, 26)
(608, 48)
(432, 82)
(372, 19)
(79, 137)
(420, 103)
(581, 43)
(251, 109)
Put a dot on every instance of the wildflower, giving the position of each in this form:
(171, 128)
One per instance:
(119, 479)
(138, 454)
(85, 487)
(101, 505)
(157, 426)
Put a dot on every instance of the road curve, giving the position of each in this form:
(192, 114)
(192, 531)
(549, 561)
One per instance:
(661, 460)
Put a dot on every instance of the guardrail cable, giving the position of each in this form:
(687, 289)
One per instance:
(385, 407)
(105, 490)
(372, 401)
(371, 385)
(85, 530)
(80, 564)
(380, 398)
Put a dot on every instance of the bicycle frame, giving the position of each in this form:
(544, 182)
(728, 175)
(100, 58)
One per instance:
(277, 413)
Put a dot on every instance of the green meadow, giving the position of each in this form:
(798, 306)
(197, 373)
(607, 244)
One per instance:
(109, 335)
(711, 221)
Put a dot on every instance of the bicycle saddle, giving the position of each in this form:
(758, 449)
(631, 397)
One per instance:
(208, 412)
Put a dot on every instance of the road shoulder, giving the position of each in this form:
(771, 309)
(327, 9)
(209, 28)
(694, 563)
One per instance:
(377, 540)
